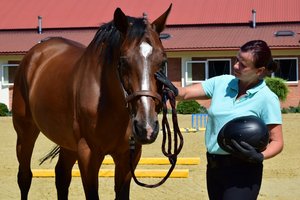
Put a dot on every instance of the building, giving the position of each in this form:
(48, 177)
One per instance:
(201, 38)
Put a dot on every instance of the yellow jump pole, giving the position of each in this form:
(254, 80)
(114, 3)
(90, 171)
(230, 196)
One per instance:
(146, 173)
(159, 161)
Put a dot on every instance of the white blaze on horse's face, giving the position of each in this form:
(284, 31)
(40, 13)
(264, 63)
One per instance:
(146, 51)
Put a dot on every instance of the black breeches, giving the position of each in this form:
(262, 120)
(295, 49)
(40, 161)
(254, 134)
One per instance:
(229, 178)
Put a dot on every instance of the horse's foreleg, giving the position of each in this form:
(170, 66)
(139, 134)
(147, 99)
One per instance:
(63, 172)
(122, 173)
(89, 164)
(27, 134)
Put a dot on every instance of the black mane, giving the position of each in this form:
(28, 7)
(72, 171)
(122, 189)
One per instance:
(109, 35)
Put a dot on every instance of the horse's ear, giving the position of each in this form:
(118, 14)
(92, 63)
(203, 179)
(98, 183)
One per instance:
(160, 23)
(120, 21)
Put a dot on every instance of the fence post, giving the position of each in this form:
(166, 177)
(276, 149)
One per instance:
(199, 120)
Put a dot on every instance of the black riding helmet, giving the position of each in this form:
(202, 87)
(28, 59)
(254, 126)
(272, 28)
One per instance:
(250, 129)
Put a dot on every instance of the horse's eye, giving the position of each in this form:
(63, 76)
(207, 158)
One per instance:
(123, 61)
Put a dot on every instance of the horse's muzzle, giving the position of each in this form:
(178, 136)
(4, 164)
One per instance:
(145, 122)
(145, 132)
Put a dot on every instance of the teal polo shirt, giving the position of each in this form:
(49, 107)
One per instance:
(259, 101)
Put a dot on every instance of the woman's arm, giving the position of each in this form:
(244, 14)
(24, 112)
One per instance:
(194, 91)
(276, 141)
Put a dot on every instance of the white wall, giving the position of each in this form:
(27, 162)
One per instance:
(4, 89)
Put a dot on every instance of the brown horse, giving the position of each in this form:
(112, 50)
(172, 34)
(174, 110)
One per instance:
(90, 101)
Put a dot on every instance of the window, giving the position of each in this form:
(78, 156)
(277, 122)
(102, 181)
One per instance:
(8, 73)
(284, 33)
(218, 67)
(288, 69)
(197, 71)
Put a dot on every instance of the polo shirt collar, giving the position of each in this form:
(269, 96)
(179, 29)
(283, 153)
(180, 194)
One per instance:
(234, 85)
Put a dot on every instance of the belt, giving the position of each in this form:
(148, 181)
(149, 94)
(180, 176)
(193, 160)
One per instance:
(223, 161)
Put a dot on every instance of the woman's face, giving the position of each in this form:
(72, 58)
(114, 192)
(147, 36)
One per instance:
(244, 68)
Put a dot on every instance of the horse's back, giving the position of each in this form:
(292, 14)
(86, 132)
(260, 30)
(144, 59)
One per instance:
(43, 90)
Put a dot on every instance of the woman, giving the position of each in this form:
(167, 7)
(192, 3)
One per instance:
(245, 93)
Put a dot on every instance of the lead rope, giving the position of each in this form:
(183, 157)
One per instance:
(167, 95)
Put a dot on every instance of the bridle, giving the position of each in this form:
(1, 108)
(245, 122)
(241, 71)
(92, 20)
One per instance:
(147, 93)
(132, 96)
(166, 95)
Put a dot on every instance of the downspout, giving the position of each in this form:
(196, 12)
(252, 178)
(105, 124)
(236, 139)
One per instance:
(253, 18)
(39, 24)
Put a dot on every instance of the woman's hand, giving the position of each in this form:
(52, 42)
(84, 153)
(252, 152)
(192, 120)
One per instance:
(246, 152)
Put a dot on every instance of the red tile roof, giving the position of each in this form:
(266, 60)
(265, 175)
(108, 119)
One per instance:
(22, 14)
(229, 37)
(182, 38)
(19, 42)
(196, 23)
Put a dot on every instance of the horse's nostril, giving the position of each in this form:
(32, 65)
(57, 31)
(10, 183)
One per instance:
(145, 132)
(136, 127)
(156, 127)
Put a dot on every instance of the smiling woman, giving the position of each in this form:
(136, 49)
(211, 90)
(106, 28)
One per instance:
(237, 174)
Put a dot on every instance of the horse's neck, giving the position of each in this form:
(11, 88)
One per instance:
(112, 83)
(102, 71)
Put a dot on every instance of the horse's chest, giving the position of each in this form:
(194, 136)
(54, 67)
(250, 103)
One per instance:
(108, 132)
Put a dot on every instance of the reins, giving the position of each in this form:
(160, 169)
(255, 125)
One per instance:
(166, 142)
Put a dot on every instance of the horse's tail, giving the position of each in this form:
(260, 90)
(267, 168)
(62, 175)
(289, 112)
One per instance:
(52, 154)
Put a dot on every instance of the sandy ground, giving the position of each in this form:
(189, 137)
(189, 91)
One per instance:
(281, 174)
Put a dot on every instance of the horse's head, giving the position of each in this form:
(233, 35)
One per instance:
(141, 56)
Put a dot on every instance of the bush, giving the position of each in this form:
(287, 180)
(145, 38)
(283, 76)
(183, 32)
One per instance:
(278, 86)
(284, 110)
(4, 110)
(190, 107)
(291, 109)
